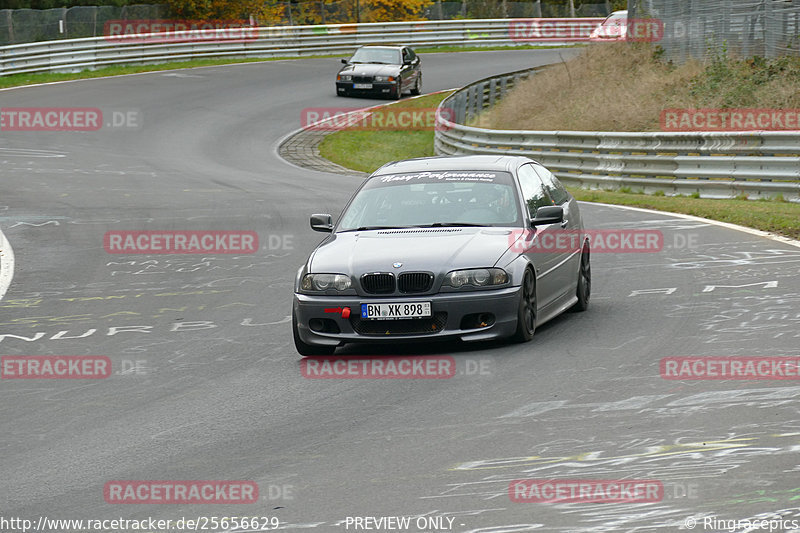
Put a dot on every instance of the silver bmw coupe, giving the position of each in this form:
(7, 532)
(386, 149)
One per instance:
(469, 247)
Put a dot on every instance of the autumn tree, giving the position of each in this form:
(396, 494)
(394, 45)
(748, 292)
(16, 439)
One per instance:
(303, 11)
(393, 10)
(226, 9)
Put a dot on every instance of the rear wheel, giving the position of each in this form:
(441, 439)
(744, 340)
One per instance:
(308, 349)
(584, 290)
(526, 313)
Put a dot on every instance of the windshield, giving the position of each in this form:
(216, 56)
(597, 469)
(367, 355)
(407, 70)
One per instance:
(388, 56)
(615, 19)
(442, 198)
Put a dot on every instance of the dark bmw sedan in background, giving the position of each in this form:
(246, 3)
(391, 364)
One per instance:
(443, 248)
(380, 71)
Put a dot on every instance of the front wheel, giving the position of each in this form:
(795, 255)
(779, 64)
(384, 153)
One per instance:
(584, 290)
(526, 313)
(307, 350)
(417, 90)
(398, 91)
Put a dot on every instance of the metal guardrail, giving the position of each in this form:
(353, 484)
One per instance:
(265, 42)
(713, 164)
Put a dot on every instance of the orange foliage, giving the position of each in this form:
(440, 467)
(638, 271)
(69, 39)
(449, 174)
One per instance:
(303, 12)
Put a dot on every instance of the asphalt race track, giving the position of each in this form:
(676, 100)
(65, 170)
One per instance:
(206, 383)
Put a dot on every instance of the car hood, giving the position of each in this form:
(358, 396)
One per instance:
(364, 69)
(614, 30)
(424, 249)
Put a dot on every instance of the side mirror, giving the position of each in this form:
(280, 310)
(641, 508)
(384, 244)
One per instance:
(344, 61)
(322, 223)
(548, 215)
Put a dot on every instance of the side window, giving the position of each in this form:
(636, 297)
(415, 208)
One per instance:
(411, 55)
(554, 187)
(533, 192)
(406, 55)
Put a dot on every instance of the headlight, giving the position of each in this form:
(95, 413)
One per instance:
(323, 282)
(384, 78)
(345, 77)
(477, 277)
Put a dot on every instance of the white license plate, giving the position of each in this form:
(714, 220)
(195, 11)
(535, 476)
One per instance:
(362, 86)
(395, 311)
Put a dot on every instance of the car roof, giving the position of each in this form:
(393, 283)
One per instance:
(506, 163)
(392, 46)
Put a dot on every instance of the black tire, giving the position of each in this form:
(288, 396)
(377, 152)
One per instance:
(417, 90)
(398, 92)
(526, 313)
(584, 290)
(307, 350)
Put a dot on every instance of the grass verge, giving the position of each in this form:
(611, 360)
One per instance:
(768, 215)
(368, 150)
(624, 87)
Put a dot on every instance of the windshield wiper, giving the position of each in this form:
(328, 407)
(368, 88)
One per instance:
(451, 225)
(378, 63)
(370, 228)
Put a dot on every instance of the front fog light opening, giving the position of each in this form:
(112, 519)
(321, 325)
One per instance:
(477, 321)
(323, 325)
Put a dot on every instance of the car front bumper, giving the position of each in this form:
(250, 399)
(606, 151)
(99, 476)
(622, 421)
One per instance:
(378, 88)
(455, 316)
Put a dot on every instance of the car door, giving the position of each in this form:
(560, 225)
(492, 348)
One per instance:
(539, 247)
(416, 70)
(409, 70)
(405, 69)
(569, 260)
